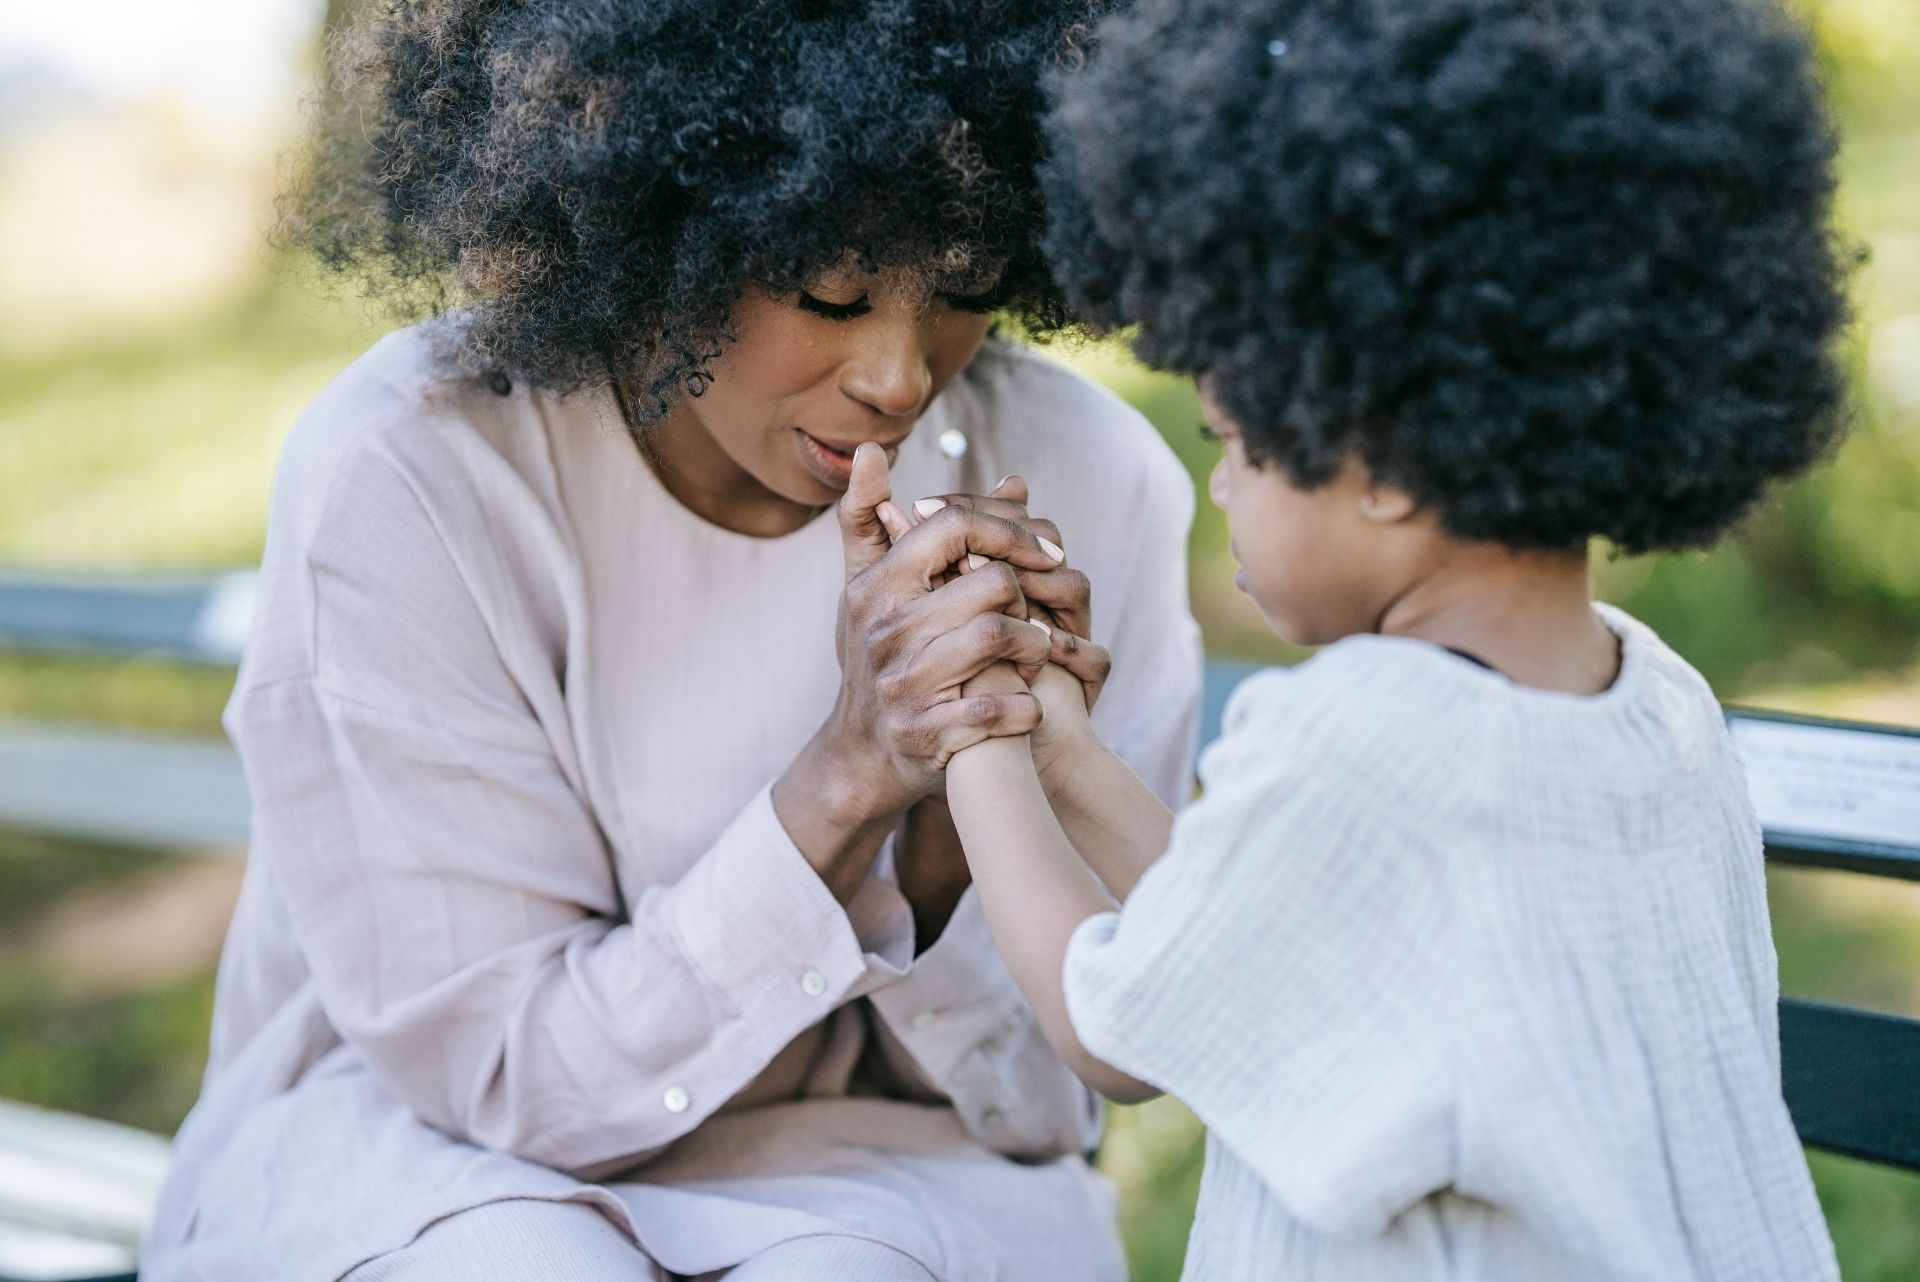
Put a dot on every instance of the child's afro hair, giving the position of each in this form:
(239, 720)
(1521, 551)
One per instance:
(1560, 268)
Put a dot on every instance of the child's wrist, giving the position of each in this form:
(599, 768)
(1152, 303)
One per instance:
(997, 752)
(1069, 748)
(982, 771)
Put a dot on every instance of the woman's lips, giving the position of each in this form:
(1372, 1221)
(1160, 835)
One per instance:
(832, 465)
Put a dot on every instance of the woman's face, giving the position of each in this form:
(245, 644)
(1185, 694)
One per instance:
(854, 357)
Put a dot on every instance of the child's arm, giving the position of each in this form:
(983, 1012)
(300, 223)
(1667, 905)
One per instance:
(1111, 816)
(1115, 821)
(1034, 889)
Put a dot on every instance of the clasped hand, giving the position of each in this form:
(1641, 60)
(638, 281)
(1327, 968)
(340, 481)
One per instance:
(938, 651)
(938, 641)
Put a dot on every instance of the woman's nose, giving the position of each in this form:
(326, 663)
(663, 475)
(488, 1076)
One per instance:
(890, 373)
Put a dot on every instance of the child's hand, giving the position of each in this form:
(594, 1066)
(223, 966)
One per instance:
(1065, 730)
(1066, 695)
(1060, 602)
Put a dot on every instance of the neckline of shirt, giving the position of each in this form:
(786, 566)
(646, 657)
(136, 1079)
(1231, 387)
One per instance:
(1635, 658)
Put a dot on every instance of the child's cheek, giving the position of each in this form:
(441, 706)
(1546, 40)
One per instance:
(1287, 558)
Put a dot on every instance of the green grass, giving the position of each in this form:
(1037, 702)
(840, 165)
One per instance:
(140, 693)
(133, 1056)
(1874, 1216)
(157, 453)
(37, 873)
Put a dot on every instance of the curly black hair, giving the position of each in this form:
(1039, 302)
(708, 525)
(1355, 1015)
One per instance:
(1560, 268)
(596, 181)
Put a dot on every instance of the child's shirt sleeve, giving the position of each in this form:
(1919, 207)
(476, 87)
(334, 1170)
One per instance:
(1283, 968)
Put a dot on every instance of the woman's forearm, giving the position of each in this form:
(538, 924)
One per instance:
(1034, 889)
(836, 825)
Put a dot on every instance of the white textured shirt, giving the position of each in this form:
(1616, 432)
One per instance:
(519, 919)
(1467, 981)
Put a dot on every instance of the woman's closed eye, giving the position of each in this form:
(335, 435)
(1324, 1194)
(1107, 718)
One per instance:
(834, 311)
(982, 303)
(1207, 434)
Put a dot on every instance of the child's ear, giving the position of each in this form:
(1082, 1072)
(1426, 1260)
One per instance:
(1385, 504)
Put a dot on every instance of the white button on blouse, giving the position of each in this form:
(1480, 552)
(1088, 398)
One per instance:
(676, 1099)
(813, 983)
(924, 1018)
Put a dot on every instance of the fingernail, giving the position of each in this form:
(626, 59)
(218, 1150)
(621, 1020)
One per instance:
(1003, 480)
(927, 507)
(1052, 551)
(975, 561)
(1043, 627)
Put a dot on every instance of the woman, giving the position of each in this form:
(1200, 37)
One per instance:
(603, 919)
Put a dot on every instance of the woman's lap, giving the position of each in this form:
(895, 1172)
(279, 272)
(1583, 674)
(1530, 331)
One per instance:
(518, 1240)
(828, 1259)
(524, 1240)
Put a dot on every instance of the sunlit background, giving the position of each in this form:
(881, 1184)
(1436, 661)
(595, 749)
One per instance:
(153, 354)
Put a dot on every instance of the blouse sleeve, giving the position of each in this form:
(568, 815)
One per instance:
(453, 895)
(1280, 969)
(957, 1027)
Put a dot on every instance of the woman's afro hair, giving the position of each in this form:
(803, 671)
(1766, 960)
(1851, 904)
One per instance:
(1560, 268)
(597, 180)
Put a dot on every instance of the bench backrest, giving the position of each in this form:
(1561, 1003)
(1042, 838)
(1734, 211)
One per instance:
(202, 619)
(1845, 796)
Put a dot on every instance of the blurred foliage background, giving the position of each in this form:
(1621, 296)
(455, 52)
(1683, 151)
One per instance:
(152, 356)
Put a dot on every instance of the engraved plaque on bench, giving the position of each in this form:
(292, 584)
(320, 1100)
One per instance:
(1828, 785)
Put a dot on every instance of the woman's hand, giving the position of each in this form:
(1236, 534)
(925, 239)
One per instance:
(908, 643)
(1061, 600)
(1063, 593)
(1064, 732)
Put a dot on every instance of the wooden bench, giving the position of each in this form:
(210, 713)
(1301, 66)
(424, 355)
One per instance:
(74, 1192)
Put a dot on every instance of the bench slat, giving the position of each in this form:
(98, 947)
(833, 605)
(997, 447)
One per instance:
(1852, 1081)
(1869, 860)
(1833, 794)
(150, 791)
(202, 619)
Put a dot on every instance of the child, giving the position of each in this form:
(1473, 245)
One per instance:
(1463, 957)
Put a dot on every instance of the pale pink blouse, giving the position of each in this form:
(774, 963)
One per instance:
(519, 919)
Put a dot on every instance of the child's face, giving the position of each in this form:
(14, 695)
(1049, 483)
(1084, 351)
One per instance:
(1322, 563)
